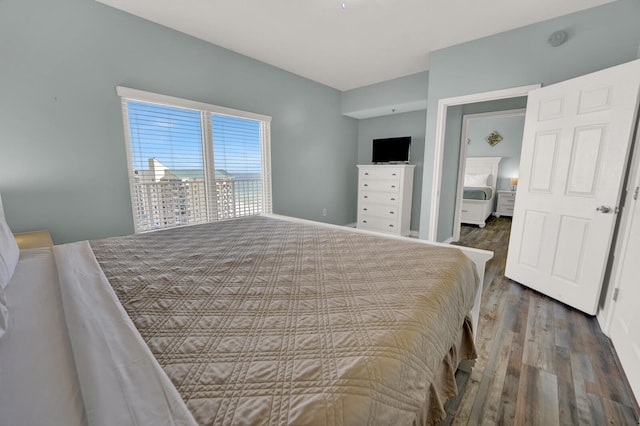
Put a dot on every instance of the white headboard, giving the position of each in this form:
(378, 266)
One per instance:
(484, 166)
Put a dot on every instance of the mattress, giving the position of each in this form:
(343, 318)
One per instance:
(477, 193)
(264, 321)
(121, 382)
(38, 381)
(248, 321)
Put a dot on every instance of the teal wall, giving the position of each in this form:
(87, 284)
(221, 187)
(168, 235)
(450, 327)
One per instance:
(451, 155)
(62, 152)
(407, 124)
(449, 183)
(497, 105)
(511, 129)
(62, 155)
(598, 38)
(404, 94)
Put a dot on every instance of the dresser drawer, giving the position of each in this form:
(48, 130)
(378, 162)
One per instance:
(507, 211)
(387, 199)
(506, 196)
(381, 173)
(506, 204)
(380, 185)
(379, 211)
(506, 201)
(471, 211)
(378, 224)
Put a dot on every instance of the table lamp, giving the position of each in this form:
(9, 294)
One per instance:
(513, 182)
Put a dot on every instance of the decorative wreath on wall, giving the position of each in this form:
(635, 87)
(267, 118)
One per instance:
(493, 138)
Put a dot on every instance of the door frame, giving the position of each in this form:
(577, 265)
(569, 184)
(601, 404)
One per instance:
(607, 306)
(608, 303)
(464, 141)
(438, 155)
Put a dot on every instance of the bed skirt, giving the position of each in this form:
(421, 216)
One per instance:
(444, 387)
(376, 340)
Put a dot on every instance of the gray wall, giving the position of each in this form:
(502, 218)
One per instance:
(511, 129)
(497, 105)
(451, 157)
(598, 38)
(62, 153)
(407, 124)
(404, 94)
(449, 183)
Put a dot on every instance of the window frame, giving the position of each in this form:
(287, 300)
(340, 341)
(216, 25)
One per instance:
(129, 94)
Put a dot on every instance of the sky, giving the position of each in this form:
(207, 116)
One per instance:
(174, 137)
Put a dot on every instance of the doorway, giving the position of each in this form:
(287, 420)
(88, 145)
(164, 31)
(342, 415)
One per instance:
(476, 128)
(439, 157)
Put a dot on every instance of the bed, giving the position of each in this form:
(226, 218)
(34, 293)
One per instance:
(481, 174)
(258, 320)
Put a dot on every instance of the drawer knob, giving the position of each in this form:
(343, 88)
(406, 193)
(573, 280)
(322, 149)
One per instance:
(393, 186)
(390, 226)
(366, 184)
(364, 221)
(393, 174)
(364, 209)
(392, 212)
(393, 199)
(366, 196)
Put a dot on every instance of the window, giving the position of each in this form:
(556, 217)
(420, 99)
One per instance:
(191, 162)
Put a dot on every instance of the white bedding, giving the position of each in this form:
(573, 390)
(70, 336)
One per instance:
(121, 381)
(260, 320)
(38, 383)
(84, 365)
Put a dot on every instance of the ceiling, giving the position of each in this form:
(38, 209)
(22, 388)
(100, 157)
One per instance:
(366, 42)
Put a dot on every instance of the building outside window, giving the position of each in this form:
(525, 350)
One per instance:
(193, 163)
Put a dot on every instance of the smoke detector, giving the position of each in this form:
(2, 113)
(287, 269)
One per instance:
(557, 38)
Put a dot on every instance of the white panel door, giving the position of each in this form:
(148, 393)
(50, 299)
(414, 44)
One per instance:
(576, 143)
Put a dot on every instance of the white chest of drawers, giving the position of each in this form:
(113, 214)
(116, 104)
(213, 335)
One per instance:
(384, 198)
(506, 201)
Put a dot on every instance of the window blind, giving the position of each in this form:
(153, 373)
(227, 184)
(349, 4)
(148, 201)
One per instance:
(190, 166)
(237, 153)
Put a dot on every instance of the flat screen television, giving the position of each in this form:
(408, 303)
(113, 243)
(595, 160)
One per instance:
(391, 150)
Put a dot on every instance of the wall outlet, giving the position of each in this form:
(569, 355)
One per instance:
(324, 212)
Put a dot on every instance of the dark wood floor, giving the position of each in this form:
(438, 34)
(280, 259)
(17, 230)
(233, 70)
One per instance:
(540, 362)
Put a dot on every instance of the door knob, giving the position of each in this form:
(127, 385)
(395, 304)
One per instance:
(603, 209)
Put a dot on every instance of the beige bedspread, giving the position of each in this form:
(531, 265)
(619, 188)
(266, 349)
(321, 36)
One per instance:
(265, 321)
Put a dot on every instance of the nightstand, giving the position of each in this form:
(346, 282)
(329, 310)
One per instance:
(506, 201)
(35, 239)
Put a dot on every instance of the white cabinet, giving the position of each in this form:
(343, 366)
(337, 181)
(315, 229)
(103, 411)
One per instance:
(384, 198)
(506, 201)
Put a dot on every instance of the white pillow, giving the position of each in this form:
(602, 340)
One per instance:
(9, 254)
(475, 180)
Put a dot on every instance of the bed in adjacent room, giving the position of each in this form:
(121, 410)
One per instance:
(480, 178)
(254, 320)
